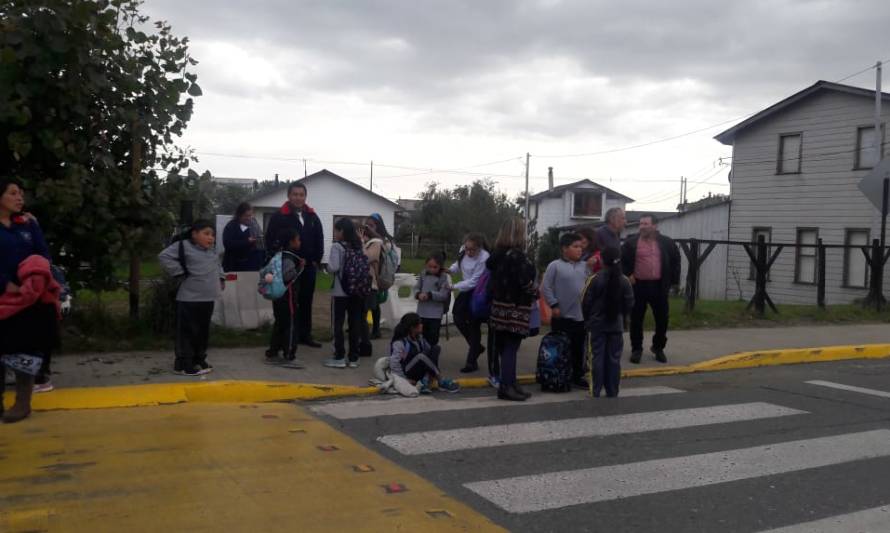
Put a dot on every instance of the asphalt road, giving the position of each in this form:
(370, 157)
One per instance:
(794, 449)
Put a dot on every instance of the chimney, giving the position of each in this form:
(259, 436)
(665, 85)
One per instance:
(276, 178)
(549, 178)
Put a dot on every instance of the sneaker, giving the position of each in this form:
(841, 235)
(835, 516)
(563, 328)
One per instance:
(352, 364)
(449, 385)
(43, 387)
(272, 354)
(292, 363)
(335, 363)
(205, 366)
(423, 386)
(494, 381)
(635, 356)
(194, 371)
(469, 368)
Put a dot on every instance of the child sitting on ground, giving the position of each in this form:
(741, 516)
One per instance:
(412, 357)
(284, 332)
(433, 293)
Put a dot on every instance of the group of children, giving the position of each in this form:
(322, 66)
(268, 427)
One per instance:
(585, 290)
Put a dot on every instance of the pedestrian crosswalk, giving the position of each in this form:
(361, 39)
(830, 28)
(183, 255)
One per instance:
(507, 457)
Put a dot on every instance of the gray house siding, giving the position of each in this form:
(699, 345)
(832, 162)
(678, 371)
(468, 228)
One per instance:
(707, 223)
(824, 195)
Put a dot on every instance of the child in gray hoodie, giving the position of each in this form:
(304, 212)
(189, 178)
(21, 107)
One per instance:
(433, 293)
(194, 262)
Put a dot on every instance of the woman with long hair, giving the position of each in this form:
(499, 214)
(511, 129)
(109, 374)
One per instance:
(347, 308)
(29, 299)
(243, 242)
(513, 291)
(387, 244)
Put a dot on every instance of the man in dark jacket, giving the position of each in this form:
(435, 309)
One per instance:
(652, 263)
(296, 214)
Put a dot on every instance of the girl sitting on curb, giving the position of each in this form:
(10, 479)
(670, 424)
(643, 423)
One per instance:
(412, 357)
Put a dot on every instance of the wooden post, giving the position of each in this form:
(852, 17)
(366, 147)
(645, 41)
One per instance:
(820, 275)
(135, 249)
(875, 262)
(692, 274)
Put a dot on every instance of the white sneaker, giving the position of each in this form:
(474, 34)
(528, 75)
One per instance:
(494, 381)
(335, 363)
(353, 364)
(43, 387)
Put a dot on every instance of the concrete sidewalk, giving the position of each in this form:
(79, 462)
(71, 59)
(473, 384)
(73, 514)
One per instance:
(684, 347)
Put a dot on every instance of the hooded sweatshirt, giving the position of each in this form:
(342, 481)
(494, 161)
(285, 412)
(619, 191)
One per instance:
(439, 290)
(204, 271)
(562, 286)
(307, 224)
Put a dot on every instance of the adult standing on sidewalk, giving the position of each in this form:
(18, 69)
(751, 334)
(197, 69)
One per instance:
(610, 233)
(243, 242)
(470, 265)
(652, 263)
(513, 292)
(297, 214)
(28, 299)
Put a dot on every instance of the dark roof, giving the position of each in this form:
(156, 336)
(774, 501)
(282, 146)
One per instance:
(323, 173)
(728, 136)
(557, 191)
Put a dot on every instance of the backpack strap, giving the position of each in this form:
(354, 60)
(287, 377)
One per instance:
(181, 258)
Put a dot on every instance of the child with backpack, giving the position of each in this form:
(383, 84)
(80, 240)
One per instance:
(284, 308)
(194, 261)
(389, 263)
(433, 294)
(607, 299)
(563, 282)
(351, 271)
(373, 247)
(414, 359)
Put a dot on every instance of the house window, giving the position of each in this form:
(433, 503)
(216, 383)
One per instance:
(755, 235)
(866, 153)
(790, 153)
(855, 267)
(587, 204)
(805, 256)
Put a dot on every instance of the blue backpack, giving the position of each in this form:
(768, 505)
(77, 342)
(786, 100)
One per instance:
(274, 289)
(480, 300)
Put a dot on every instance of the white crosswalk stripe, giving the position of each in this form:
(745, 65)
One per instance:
(551, 430)
(851, 388)
(427, 404)
(876, 520)
(540, 492)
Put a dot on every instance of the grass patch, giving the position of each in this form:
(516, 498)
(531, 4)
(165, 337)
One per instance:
(149, 269)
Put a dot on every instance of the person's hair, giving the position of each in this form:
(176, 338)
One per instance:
(7, 182)
(369, 231)
(438, 257)
(512, 235)
(650, 216)
(381, 226)
(589, 234)
(297, 185)
(286, 235)
(403, 329)
(350, 236)
(611, 257)
(242, 208)
(569, 239)
(476, 238)
(611, 213)
(200, 225)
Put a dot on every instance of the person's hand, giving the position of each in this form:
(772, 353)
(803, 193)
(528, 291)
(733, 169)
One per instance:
(12, 287)
(423, 296)
(29, 216)
(222, 284)
(556, 312)
(633, 280)
(251, 240)
(302, 262)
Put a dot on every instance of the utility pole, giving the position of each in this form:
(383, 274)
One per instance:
(136, 186)
(305, 173)
(680, 204)
(372, 176)
(527, 158)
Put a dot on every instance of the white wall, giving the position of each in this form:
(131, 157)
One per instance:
(557, 211)
(824, 195)
(329, 197)
(709, 223)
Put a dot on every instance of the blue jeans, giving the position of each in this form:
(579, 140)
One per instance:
(606, 348)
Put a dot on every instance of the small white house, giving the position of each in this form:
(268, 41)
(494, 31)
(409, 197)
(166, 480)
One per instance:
(573, 204)
(333, 197)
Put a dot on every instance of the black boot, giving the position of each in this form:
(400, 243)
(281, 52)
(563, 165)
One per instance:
(510, 393)
(522, 391)
(24, 387)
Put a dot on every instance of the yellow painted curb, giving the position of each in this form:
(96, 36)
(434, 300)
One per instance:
(270, 391)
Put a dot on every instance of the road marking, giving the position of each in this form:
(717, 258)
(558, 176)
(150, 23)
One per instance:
(876, 520)
(525, 494)
(551, 430)
(425, 404)
(851, 388)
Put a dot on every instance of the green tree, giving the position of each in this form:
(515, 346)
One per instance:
(446, 215)
(92, 97)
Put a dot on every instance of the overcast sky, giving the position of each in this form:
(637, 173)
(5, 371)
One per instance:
(451, 86)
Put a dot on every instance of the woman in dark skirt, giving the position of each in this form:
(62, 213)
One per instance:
(28, 299)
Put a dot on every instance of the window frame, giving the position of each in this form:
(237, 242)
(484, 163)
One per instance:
(797, 255)
(857, 163)
(752, 272)
(847, 251)
(780, 157)
(602, 195)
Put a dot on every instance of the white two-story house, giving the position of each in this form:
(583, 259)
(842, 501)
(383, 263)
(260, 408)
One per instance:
(573, 204)
(795, 170)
